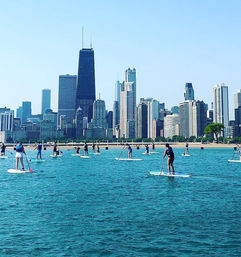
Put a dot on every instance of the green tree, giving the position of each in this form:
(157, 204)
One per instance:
(214, 128)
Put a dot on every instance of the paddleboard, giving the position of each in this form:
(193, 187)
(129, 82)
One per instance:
(75, 154)
(85, 156)
(97, 153)
(37, 161)
(154, 152)
(55, 156)
(158, 173)
(18, 171)
(146, 153)
(234, 161)
(186, 155)
(3, 157)
(127, 159)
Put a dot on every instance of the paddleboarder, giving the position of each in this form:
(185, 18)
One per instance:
(19, 154)
(98, 149)
(129, 151)
(55, 149)
(93, 147)
(39, 148)
(77, 149)
(147, 149)
(85, 149)
(170, 158)
(3, 149)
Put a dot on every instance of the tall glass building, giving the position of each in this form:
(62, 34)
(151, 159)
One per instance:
(189, 92)
(85, 92)
(67, 97)
(26, 111)
(46, 100)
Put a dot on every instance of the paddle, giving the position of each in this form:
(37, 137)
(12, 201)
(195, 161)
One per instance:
(122, 152)
(30, 170)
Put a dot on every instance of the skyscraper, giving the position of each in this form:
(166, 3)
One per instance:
(116, 114)
(130, 76)
(141, 121)
(127, 109)
(46, 100)
(237, 99)
(221, 105)
(67, 97)
(117, 91)
(26, 111)
(152, 113)
(189, 92)
(99, 114)
(193, 118)
(85, 94)
(171, 125)
(6, 121)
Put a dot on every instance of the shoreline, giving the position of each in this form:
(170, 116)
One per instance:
(135, 144)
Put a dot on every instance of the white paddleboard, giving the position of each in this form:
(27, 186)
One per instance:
(154, 152)
(186, 155)
(146, 153)
(3, 157)
(158, 173)
(37, 161)
(128, 159)
(97, 153)
(85, 156)
(17, 171)
(55, 156)
(75, 154)
(234, 161)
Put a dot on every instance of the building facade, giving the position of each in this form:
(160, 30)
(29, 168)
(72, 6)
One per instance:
(46, 100)
(85, 94)
(221, 106)
(66, 98)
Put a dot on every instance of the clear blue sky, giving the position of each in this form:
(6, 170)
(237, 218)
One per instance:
(169, 43)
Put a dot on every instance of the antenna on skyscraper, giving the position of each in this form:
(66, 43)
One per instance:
(90, 41)
(82, 37)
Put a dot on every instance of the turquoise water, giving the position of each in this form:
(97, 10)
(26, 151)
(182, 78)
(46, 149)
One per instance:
(102, 207)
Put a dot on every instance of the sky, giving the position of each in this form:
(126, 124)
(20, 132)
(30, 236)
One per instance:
(168, 42)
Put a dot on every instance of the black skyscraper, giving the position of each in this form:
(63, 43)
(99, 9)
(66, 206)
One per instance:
(85, 95)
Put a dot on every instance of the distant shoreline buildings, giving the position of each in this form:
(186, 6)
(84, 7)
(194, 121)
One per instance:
(81, 116)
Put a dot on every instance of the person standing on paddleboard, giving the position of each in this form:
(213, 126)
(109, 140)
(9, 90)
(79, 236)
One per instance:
(98, 148)
(39, 148)
(55, 151)
(19, 155)
(170, 158)
(129, 151)
(147, 149)
(3, 149)
(85, 149)
(77, 149)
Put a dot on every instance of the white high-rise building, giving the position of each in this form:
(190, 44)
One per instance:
(6, 121)
(152, 113)
(171, 125)
(237, 99)
(130, 76)
(127, 108)
(221, 106)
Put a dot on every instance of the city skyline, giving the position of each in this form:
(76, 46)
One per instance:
(205, 59)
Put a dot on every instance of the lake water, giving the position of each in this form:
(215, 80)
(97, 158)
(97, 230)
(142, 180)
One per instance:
(102, 207)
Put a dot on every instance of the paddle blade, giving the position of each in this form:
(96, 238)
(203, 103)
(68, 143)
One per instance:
(30, 170)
